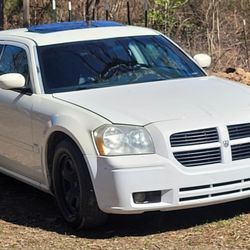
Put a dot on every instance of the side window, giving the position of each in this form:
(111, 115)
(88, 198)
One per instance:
(14, 60)
(1, 50)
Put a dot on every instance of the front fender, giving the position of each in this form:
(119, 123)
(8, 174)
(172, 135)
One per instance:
(50, 116)
(74, 129)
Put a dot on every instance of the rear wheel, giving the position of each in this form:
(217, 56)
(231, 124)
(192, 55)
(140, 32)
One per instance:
(73, 188)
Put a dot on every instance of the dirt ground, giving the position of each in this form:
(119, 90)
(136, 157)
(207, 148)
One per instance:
(29, 219)
(237, 74)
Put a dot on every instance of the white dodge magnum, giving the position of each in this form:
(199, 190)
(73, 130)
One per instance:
(118, 119)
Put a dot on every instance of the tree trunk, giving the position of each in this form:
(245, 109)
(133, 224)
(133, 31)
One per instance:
(1, 14)
(26, 13)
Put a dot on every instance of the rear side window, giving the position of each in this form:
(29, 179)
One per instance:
(14, 60)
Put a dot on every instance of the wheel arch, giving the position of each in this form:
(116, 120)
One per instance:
(56, 136)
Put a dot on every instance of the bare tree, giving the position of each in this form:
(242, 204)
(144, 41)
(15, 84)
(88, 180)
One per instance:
(26, 12)
(90, 8)
(1, 14)
(212, 26)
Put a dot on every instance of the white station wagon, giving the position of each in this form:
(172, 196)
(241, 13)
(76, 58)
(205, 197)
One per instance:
(115, 119)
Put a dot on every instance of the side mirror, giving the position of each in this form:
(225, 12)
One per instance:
(203, 60)
(12, 81)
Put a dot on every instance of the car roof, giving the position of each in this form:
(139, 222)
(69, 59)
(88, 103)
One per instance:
(66, 32)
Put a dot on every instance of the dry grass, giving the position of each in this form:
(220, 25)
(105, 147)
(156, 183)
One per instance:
(239, 75)
(29, 219)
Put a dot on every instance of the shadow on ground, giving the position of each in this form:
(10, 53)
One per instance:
(21, 204)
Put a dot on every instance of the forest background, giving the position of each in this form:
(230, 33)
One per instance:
(217, 27)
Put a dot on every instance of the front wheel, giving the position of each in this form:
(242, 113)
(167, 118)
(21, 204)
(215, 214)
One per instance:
(73, 188)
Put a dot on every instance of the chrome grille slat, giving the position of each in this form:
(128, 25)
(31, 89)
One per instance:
(197, 164)
(234, 130)
(193, 134)
(239, 131)
(236, 135)
(199, 157)
(236, 150)
(243, 125)
(241, 156)
(240, 151)
(198, 160)
(241, 146)
(187, 194)
(198, 152)
(194, 137)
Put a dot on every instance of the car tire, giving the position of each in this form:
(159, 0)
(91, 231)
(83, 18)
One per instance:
(73, 188)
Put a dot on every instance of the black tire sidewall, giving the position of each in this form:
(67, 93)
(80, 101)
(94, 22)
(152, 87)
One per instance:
(66, 147)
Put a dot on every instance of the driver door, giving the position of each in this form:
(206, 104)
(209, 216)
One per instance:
(16, 143)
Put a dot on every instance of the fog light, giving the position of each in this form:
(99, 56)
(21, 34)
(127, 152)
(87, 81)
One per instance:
(139, 197)
(147, 197)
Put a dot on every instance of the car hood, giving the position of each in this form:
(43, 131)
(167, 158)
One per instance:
(208, 98)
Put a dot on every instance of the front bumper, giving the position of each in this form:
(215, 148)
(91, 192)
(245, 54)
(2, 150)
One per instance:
(116, 179)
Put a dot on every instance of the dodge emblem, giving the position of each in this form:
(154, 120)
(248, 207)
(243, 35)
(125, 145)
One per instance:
(226, 143)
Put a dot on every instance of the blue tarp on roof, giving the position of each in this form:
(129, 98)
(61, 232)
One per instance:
(54, 27)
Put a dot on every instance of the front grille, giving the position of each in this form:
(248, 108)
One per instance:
(214, 190)
(194, 137)
(239, 131)
(240, 151)
(199, 157)
(192, 155)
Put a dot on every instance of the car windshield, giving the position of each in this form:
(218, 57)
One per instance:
(112, 62)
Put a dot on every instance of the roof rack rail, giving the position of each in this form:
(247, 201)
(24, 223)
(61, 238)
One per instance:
(61, 26)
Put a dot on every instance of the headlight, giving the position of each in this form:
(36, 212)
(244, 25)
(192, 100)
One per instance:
(123, 140)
